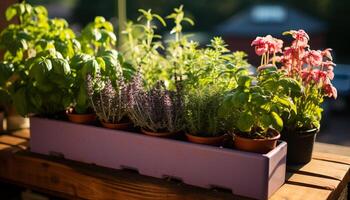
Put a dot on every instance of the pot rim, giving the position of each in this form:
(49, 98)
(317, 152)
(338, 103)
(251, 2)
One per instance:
(210, 137)
(123, 123)
(159, 134)
(278, 136)
(310, 131)
(75, 114)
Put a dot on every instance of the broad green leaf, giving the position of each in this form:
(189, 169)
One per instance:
(277, 122)
(10, 13)
(245, 122)
(244, 81)
(61, 66)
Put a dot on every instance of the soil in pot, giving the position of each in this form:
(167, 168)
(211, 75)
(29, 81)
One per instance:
(81, 118)
(263, 145)
(299, 145)
(214, 141)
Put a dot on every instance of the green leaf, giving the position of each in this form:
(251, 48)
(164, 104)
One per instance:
(82, 100)
(61, 66)
(277, 122)
(100, 20)
(6, 70)
(90, 67)
(245, 122)
(10, 13)
(244, 81)
(291, 85)
(39, 69)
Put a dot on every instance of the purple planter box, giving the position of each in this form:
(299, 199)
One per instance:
(247, 174)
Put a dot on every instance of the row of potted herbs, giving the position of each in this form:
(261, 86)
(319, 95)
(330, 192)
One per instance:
(166, 88)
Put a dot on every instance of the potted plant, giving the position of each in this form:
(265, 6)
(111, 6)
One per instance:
(97, 57)
(36, 50)
(313, 70)
(255, 108)
(158, 111)
(211, 72)
(109, 102)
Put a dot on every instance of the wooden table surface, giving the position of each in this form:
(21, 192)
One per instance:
(325, 177)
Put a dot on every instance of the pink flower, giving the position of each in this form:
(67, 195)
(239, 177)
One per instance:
(301, 38)
(307, 76)
(329, 66)
(267, 44)
(327, 53)
(330, 90)
(261, 45)
(313, 58)
(275, 45)
(320, 76)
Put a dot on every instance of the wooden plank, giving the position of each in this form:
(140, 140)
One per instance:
(313, 181)
(91, 182)
(25, 134)
(11, 140)
(321, 168)
(331, 157)
(299, 192)
(332, 148)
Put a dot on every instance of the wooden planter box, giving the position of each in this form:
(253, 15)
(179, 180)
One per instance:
(248, 174)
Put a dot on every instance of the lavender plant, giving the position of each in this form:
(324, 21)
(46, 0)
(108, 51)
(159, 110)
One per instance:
(158, 109)
(108, 102)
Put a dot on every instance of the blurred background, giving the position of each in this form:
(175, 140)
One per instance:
(239, 22)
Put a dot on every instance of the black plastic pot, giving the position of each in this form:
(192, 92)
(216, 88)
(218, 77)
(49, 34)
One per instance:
(300, 145)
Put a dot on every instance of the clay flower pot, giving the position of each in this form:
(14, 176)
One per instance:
(14, 121)
(81, 118)
(118, 126)
(300, 145)
(256, 145)
(159, 134)
(215, 141)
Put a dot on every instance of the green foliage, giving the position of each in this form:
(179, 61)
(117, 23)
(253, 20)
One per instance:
(36, 75)
(97, 36)
(259, 104)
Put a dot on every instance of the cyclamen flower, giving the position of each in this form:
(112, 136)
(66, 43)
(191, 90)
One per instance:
(267, 44)
(327, 53)
(329, 66)
(261, 46)
(330, 90)
(301, 38)
(313, 58)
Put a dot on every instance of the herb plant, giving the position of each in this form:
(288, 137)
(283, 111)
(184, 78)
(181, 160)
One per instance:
(109, 102)
(36, 50)
(258, 104)
(157, 109)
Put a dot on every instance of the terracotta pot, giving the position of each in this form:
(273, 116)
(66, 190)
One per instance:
(159, 134)
(118, 126)
(215, 141)
(81, 118)
(256, 145)
(300, 145)
(14, 121)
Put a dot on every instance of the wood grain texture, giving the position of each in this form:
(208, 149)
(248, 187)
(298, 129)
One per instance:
(325, 177)
(91, 182)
